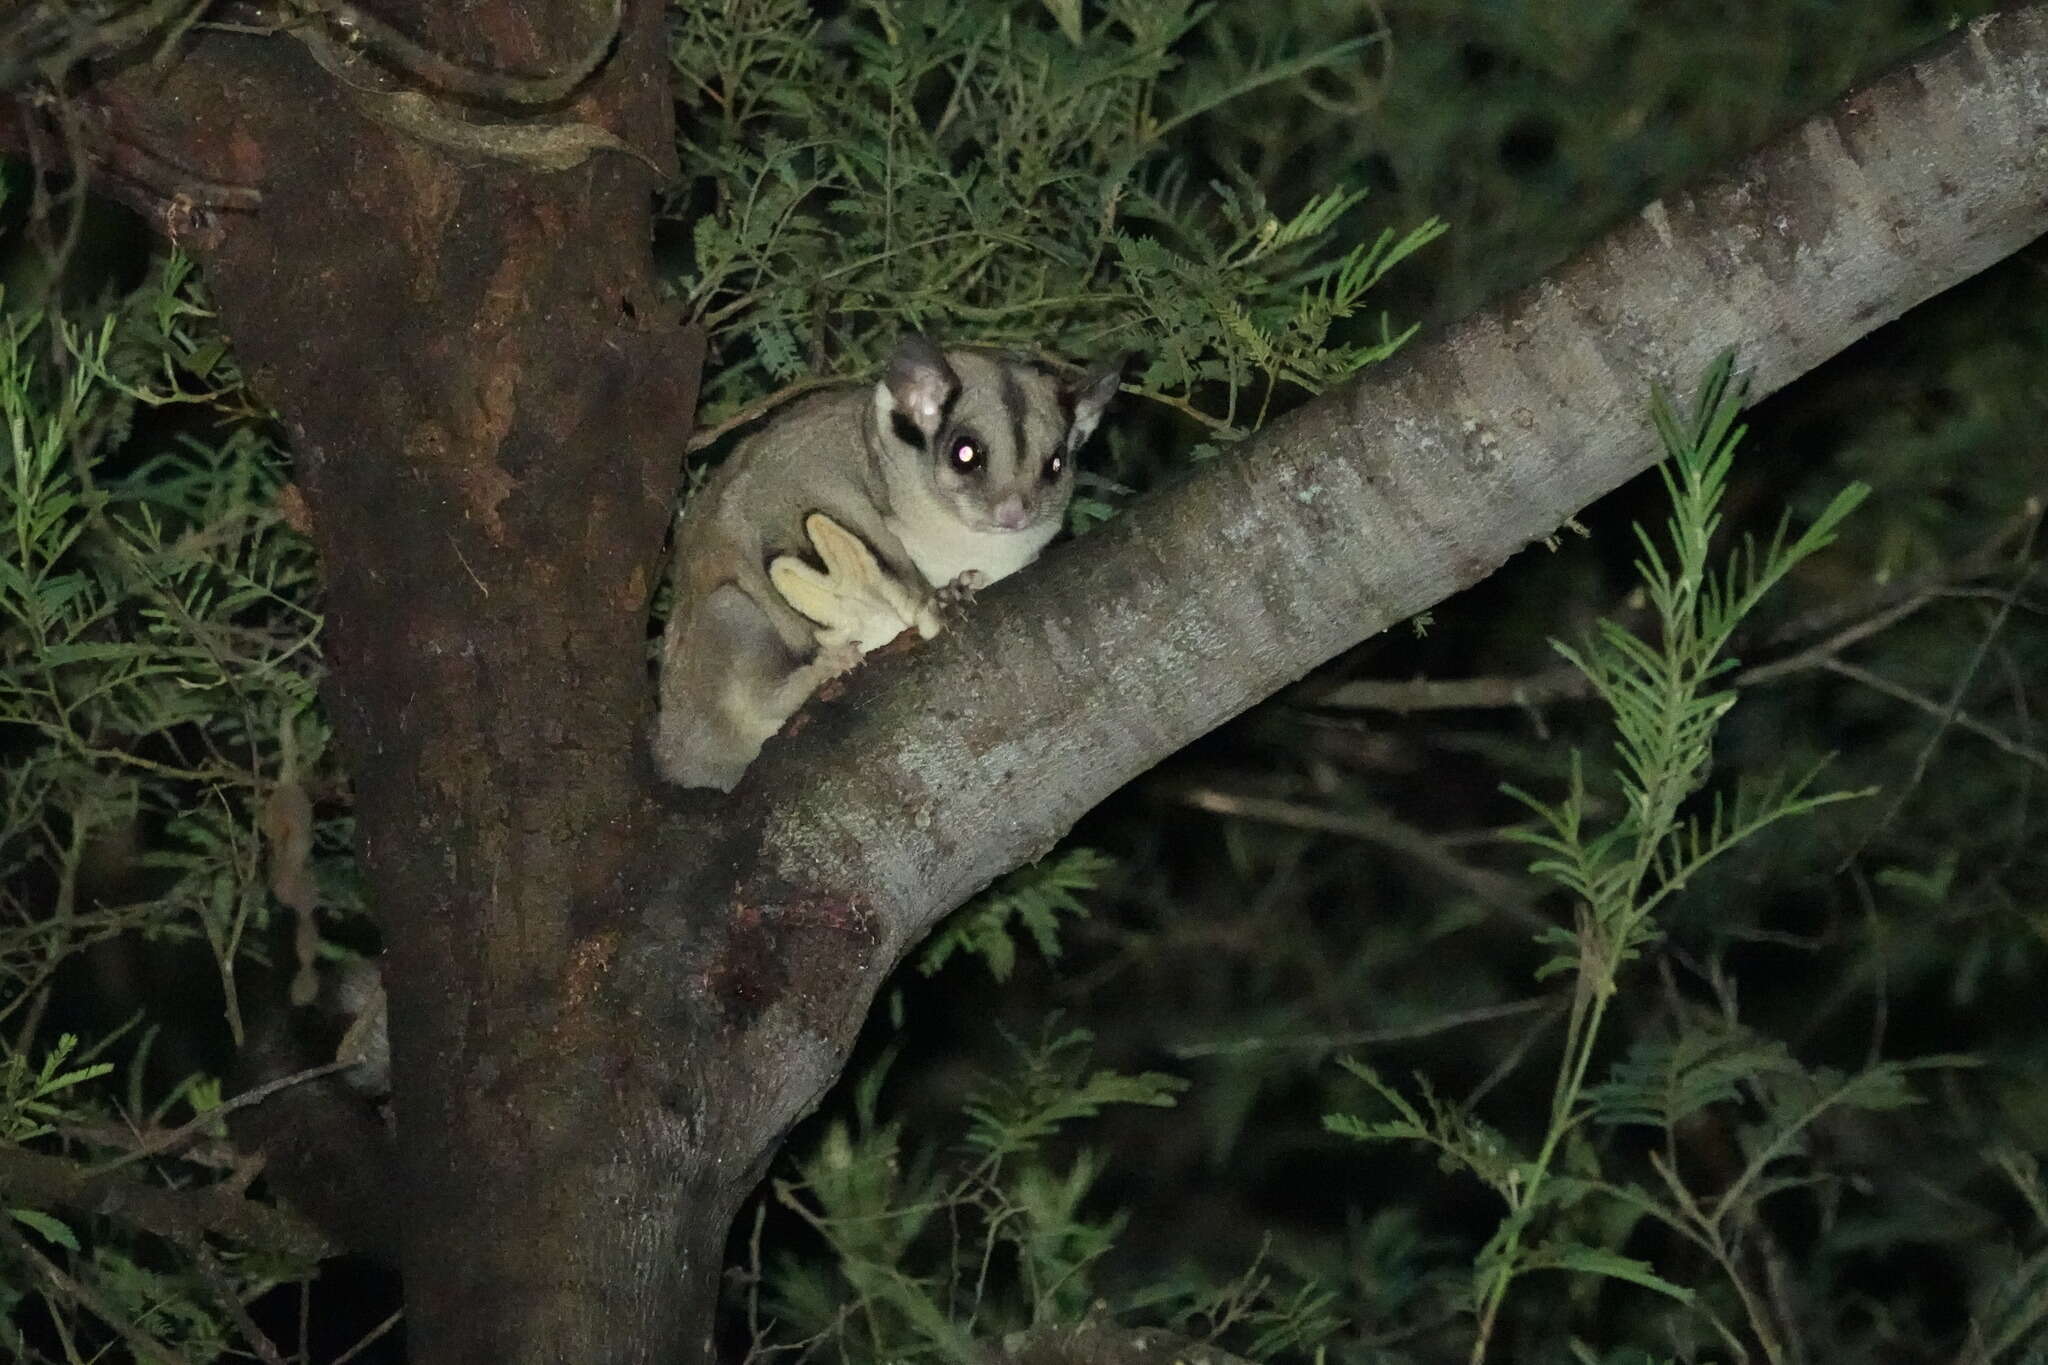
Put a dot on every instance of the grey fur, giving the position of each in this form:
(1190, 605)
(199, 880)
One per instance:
(737, 658)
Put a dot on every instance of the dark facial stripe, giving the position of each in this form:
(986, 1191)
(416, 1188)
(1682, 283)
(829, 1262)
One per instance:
(906, 430)
(1013, 408)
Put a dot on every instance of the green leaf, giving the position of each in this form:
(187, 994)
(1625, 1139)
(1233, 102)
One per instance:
(1660, 1084)
(1017, 1113)
(49, 1227)
(1598, 1261)
(1033, 900)
(1067, 14)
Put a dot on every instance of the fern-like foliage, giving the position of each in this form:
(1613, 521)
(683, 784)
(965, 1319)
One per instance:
(160, 660)
(1046, 1092)
(1665, 706)
(1660, 1084)
(158, 665)
(933, 1250)
(1002, 172)
(1032, 900)
(1663, 697)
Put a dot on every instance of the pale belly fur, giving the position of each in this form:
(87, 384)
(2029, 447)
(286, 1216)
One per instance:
(944, 551)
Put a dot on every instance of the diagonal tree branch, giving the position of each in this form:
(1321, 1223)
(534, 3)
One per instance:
(935, 773)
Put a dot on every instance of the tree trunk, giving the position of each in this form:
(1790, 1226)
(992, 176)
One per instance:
(610, 1000)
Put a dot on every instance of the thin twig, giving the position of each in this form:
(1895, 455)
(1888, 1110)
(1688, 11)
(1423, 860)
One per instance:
(85, 39)
(1401, 1033)
(1948, 715)
(1821, 654)
(1453, 694)
(1843, 625)
(756, 410)
(215, 1275)
(219, 1156)
(370, 1340)
(165, 1143)
(1529, 691)
(1185, 408)
(1499, 890)
(1512, 1062)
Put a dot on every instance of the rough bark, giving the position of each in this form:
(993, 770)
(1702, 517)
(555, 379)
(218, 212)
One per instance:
(485, 402)
(609, 1000)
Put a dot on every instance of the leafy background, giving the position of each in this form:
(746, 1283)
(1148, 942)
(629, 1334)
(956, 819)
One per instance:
(1128, 1085)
